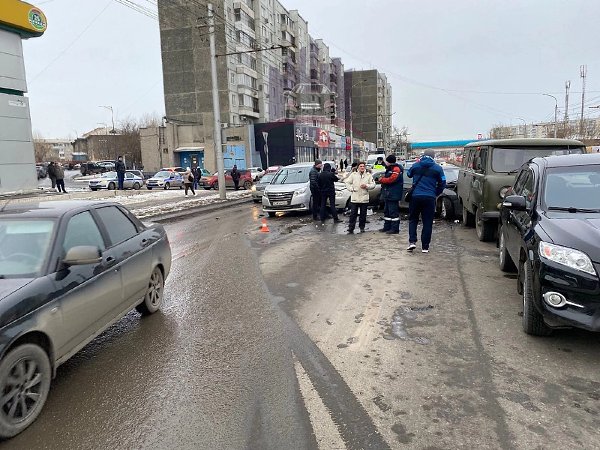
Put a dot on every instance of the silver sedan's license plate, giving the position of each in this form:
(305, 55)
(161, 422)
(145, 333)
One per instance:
(280, 203)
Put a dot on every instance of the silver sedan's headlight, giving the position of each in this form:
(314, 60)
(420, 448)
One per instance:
(300, 191)
(567, 257)
(341, 192)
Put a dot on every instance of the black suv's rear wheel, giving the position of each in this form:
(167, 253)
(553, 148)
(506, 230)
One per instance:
(533, 321)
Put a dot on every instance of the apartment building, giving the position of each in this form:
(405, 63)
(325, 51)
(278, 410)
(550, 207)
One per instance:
(293, 77)
(369, 106)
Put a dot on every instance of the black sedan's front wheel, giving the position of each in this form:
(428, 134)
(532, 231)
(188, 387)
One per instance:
(25, 375)
(446, 209)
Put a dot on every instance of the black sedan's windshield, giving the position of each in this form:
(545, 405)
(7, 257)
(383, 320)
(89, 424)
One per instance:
(573, 189)
(511, 159)
(451, 173)
(24, 246)
(292, 176)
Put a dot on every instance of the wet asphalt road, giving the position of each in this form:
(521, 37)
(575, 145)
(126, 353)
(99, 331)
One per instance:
(307, 338)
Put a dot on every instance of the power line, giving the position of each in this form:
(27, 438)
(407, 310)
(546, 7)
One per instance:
(68, 47)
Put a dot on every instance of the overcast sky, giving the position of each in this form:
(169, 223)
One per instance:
(456, 67)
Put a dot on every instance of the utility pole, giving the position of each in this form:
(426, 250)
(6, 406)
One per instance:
(567, 87)
(216, 105)
(583, 74)
(555, 111)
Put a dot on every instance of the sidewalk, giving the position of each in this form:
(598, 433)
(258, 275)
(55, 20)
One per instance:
(142, 203)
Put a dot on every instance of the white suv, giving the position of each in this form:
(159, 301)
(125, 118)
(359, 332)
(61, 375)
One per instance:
(290, 190)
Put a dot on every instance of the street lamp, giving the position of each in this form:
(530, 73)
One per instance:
(112, 116)
(555, 111)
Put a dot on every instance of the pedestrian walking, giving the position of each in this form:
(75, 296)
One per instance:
(197, 173)
(52, 174)
(429, 181)
(60, 178)
(314, 188)
(188, 181)
(326, 183)
(120, 168)
(391, 193)
(235, 176)
(345, 163)
(359, 184)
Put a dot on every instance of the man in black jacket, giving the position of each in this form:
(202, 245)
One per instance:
(326, 182)
(235, 176)
(314, 188)
(120, 168)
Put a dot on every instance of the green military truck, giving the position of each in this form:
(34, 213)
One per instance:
(488, 171)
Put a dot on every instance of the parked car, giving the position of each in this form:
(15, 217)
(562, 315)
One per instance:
(92, 168)
(109, 180)
(165, 180)
(138, 173)
(174, 169)
(42, 171)
(488, 170)
(68, 270)
(550, 234)
(273, 169)
(289, 190)
(258, 188)
(256, 172)
(448, 204)
(108, 165)
(212, 182)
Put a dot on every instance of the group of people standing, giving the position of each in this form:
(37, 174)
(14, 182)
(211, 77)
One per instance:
(429, 182)
(56, 173)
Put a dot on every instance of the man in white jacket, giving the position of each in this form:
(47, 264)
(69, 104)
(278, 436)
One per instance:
(359, 184)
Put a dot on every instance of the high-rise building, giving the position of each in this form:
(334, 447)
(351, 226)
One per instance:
(368, 103)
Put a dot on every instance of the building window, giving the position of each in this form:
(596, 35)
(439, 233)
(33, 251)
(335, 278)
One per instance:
(232, 77)
(246, 39)
(246, 80)
(233, 99)
(242, 16)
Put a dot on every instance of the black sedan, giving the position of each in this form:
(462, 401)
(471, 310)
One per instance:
(550, 233)
(68, 270)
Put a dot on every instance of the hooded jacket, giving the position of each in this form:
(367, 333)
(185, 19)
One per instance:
(120, 166)
(313, 176)
(430, 177)
(354, 181)
(327, 179)
(392, 183)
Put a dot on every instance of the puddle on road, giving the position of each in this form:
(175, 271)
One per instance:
(397, 329)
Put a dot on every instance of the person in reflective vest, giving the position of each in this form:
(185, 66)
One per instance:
(391, 193)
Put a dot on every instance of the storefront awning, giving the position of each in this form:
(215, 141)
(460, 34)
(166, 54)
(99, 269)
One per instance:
(188, 149)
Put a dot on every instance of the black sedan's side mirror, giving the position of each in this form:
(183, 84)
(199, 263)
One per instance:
(82, 255)
(515, 203)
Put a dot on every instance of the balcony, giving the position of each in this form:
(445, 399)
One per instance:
(245, 5)
(333, 78)
(314, 75)
(249, 111)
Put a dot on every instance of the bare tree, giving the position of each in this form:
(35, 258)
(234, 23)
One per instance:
(43, 150)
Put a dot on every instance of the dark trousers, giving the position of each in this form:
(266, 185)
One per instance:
(316, 203)
(188, 187)
(121, 179)
(354, 212)
(425, 208)
(53, 180)
(196, 183)
(330, 195)
(236, 184)
(60, 184)
(391, 216)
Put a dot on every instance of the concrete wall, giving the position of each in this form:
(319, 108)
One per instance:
(17, 160)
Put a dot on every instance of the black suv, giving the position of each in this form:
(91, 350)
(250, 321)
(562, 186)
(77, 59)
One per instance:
(550, 233)
(92, 168)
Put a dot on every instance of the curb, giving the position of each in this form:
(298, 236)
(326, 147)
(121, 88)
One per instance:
(186, 213)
